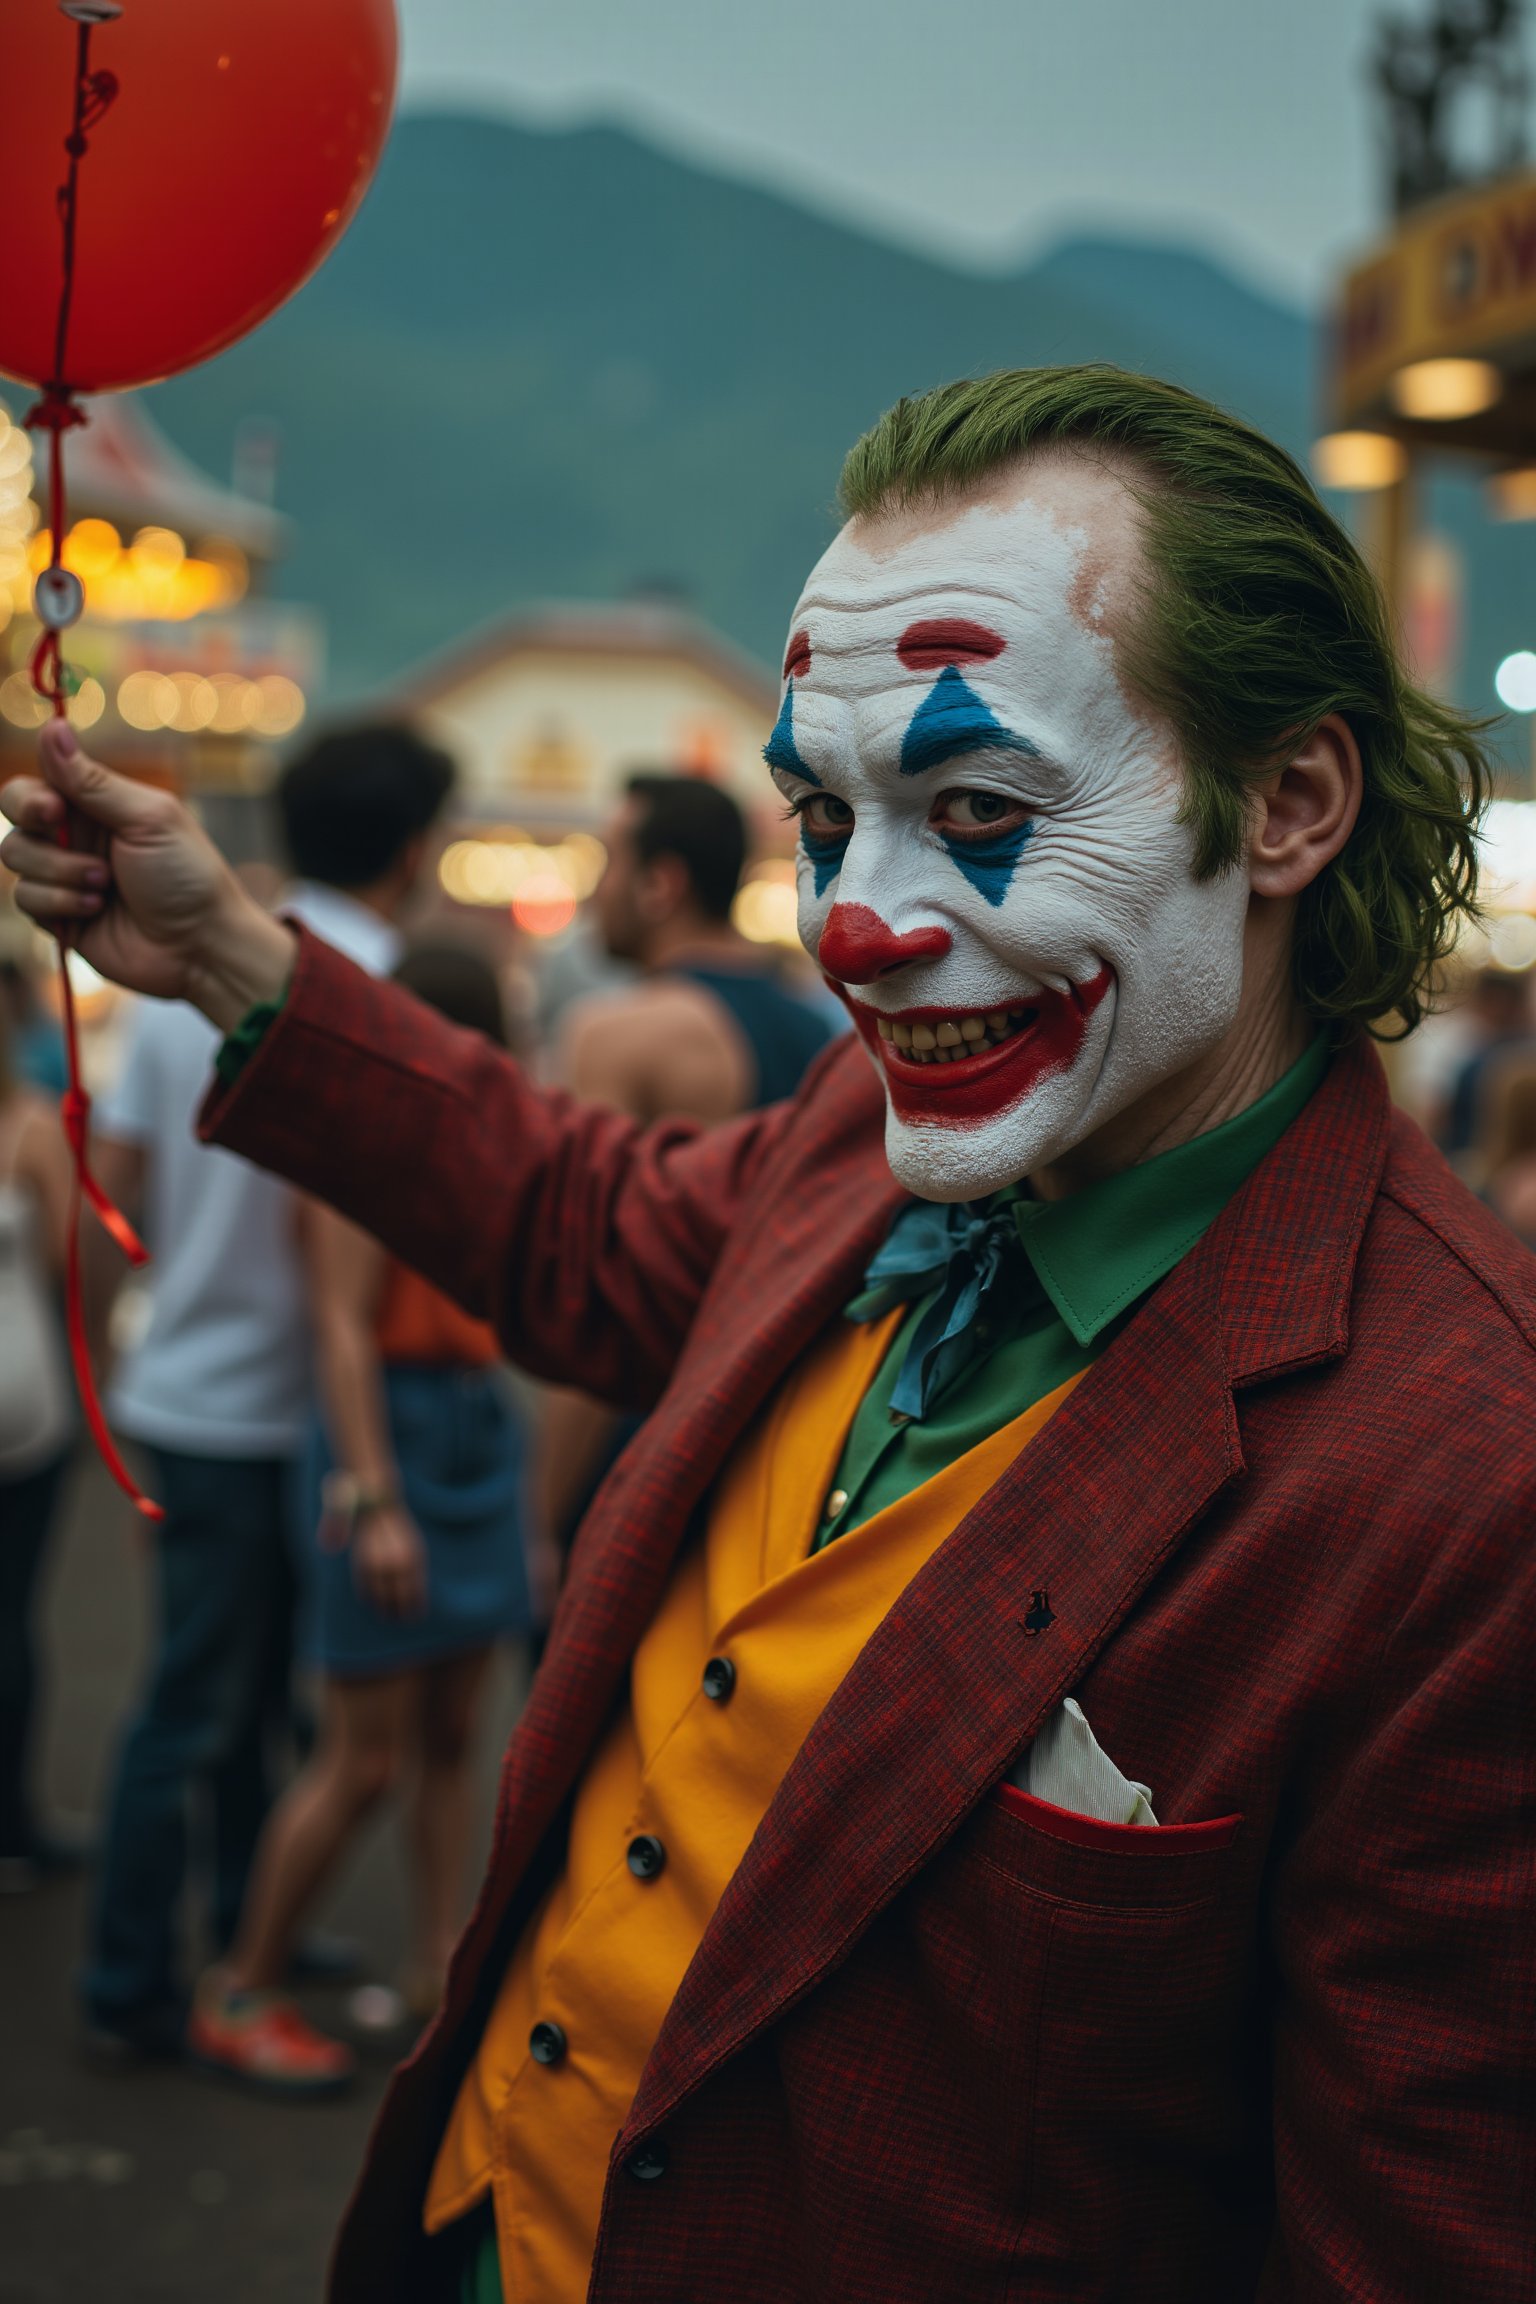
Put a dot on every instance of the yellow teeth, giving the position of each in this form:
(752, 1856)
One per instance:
(952, 1038)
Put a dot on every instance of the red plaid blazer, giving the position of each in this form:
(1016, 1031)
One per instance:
(934, 2044)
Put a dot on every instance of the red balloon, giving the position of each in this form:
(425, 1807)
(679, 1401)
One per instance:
(231, 158)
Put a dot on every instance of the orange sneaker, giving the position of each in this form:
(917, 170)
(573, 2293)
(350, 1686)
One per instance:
(263, 2041)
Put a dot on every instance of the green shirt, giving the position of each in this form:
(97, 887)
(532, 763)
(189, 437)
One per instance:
(1091, 1259)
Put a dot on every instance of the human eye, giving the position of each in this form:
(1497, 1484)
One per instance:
(969, 814)
(823, 817)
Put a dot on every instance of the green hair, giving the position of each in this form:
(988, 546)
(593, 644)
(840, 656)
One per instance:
(1259, 619)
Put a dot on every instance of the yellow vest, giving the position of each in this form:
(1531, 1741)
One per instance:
(604, 1954)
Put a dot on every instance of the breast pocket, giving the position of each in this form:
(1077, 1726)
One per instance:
(1130, 1954)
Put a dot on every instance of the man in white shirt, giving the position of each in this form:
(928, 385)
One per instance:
(218, 1391)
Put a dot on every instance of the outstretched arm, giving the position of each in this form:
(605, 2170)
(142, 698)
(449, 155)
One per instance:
(586, 1238)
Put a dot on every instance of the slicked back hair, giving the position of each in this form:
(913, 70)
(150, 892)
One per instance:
(1258, 619)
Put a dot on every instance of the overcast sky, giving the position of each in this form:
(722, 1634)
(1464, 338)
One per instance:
(981, 128)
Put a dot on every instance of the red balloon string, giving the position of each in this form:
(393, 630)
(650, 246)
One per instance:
(57, 413)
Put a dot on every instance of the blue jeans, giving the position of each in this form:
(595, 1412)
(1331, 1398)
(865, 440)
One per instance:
(216, 1697)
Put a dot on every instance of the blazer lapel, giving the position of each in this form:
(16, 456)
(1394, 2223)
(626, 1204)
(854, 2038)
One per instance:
(955, 1680)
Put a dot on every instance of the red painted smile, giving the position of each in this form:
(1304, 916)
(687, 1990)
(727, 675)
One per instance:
(959, 1068)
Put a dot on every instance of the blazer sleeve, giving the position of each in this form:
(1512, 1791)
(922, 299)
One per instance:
(586, 1238)
(1405, 1921)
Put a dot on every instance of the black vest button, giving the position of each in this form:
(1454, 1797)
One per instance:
(648, 2161)
(547, 2043)
(647, 1857)
(719, 1679)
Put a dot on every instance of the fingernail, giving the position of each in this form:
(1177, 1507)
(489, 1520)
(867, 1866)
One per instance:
(65, 740)
(97, 875)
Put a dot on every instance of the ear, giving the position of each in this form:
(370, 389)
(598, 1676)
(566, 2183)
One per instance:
(1303, 814)
(662, 888)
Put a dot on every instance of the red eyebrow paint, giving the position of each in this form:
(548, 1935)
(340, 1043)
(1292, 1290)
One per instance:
(946, 640)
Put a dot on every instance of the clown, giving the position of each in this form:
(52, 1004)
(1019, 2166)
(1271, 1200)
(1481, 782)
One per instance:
(994, 863)
(1021, 1795)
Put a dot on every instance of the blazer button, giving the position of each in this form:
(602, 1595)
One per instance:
(547, 2043)
(648, 2161)
(647, 1857)
(719, 1679)
(835, 1503)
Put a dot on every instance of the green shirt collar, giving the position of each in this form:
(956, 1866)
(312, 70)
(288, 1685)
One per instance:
(1100, 1249)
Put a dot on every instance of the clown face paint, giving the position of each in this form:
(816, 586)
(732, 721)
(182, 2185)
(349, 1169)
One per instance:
(992, 871)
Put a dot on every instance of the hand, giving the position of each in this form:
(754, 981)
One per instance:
(141, 890)
(389, 1561)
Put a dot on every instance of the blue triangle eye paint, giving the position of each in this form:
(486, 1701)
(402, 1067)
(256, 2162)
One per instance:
(989, 865)
(780, 751)
(826, 863)
(952, 720)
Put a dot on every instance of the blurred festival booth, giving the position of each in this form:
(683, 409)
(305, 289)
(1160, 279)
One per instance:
(547, 713)
(184, 672)
(1431, 366)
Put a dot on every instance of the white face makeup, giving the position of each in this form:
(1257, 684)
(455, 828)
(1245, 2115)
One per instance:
(991, 868)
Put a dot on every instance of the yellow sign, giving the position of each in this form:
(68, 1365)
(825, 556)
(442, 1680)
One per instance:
(1459, 279)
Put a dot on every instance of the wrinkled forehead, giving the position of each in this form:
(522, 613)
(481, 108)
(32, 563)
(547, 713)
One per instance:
(1013, 595)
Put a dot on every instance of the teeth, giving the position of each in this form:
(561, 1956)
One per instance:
(952, 1039)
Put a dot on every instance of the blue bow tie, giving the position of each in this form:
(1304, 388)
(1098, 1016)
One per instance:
(962, 1249)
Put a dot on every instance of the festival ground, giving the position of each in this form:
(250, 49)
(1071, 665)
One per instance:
(157, 2187)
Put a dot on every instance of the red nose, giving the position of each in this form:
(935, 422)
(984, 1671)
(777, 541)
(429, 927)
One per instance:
(856, 945)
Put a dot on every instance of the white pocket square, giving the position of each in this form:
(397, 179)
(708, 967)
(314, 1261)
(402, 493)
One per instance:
(1066, 1766)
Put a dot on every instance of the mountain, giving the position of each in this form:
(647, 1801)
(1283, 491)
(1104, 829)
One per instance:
(562, 363)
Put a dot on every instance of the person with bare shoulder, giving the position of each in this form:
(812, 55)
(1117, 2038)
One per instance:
(707, 1032)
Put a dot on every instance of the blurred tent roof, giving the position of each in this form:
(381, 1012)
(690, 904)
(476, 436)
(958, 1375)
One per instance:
(636, 628)
(123, 468)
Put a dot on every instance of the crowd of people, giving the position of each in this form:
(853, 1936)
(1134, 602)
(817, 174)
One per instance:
(1480, 1105)
(361, 1502)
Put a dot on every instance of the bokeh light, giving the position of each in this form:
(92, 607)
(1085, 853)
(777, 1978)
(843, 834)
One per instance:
(1358, 461)
(502, 868)
(20, 703)
(220, 703)
(1439, 391)
(766, 909)
(1515, 681)
(87, 704)
(545, 904)
(153, 579)
(1512, 941)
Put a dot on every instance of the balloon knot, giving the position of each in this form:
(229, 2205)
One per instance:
(57, 411)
